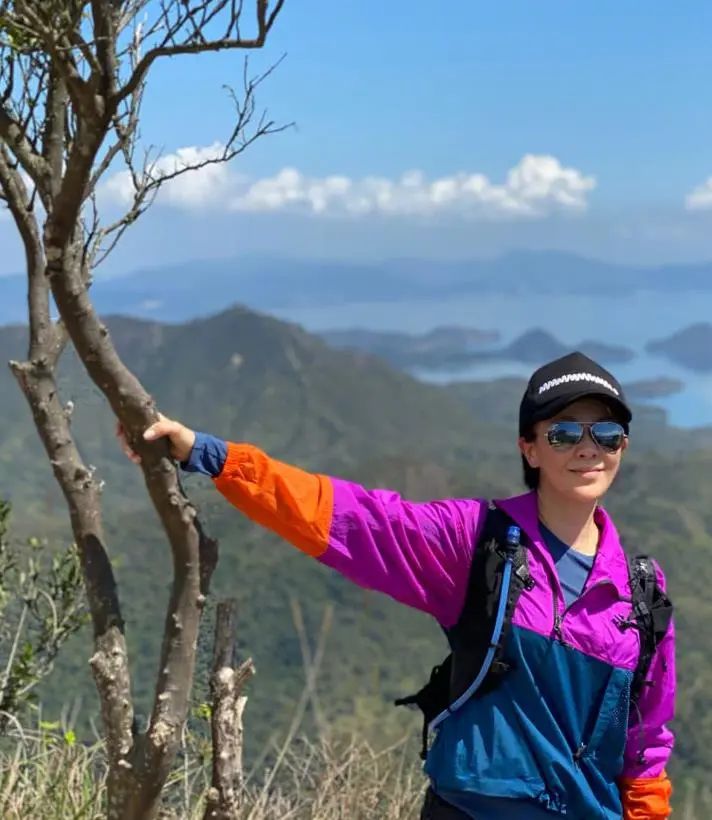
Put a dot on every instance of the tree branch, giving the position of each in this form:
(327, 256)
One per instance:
(36, 377)
(16, 196)
(264, 22)
(40, 23)
(228, 703)
(148, 181)
(14, 136)
(105, 16)
(53, 148)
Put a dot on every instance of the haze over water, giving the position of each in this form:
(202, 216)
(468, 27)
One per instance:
(631, 321)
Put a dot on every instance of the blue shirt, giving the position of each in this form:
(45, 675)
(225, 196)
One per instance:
(573, 567)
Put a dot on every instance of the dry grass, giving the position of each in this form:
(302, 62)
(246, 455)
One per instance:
(48, 776)
(45, 776)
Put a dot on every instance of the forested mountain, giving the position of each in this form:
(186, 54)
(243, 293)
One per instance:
(247, 376)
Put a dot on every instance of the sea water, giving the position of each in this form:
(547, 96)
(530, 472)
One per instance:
(630, 321)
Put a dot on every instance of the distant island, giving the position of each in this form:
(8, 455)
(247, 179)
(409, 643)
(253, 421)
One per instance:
(439, 347)
(690, 347)
(460, 347)
(538, 346)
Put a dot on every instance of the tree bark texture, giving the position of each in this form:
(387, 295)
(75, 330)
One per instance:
(228, 704)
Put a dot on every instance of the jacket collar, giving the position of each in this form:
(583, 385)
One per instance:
(610, 564)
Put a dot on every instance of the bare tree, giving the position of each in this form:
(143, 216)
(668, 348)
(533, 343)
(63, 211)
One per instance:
(72, 79)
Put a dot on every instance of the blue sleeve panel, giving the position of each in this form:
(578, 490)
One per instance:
(207, 456)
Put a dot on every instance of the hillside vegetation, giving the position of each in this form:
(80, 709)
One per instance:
(250, 377)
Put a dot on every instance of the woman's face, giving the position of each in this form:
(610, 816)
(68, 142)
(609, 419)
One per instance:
(583, 472)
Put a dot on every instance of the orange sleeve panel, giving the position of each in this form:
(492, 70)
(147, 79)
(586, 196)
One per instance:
(295, 504)
(646, 798)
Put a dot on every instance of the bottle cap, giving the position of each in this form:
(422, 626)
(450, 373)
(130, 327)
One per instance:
(514, 535)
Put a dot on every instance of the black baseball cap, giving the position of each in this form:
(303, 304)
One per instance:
(561, 382)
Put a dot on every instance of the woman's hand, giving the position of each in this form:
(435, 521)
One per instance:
(180, 437)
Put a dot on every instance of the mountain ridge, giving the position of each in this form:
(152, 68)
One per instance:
(201, 287)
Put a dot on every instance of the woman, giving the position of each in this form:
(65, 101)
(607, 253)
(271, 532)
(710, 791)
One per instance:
(555, 738)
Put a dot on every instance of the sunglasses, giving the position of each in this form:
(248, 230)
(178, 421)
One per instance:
(608, 435)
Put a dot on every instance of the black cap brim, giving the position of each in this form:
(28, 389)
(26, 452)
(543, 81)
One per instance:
(556, 405)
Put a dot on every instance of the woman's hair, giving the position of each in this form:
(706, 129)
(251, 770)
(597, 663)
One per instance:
(530, 474)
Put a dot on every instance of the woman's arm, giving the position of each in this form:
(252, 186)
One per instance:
(645, 787)
(418, 553)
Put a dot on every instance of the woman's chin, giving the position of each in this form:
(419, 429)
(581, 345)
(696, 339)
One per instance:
(588, 486)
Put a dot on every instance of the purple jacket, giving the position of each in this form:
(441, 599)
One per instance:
(420, 555)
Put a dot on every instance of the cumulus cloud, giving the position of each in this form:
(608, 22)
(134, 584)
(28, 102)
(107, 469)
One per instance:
(205, 186)
(701, 198)
(535, 187)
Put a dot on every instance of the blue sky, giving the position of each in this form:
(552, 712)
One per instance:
(615, 94)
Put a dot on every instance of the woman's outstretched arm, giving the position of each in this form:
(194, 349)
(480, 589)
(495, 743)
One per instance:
(418, 553)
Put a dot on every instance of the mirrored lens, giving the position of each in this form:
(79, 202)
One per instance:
(565, 433)
(608, 434)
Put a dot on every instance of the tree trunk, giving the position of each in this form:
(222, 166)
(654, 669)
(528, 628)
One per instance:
(228, 705)
(137, 780)
(71, 88)
(36, 378)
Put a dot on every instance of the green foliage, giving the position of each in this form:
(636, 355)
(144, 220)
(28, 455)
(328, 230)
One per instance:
(41, 606)
(249, 377)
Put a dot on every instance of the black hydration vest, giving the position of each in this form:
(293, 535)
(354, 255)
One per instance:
(477, 639)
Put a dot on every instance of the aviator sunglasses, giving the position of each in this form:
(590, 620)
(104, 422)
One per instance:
(608, 435)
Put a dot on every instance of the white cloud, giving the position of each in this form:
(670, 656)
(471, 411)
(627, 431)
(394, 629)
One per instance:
(206, 186)
(534, 187)
(701, 198)
(538, 185)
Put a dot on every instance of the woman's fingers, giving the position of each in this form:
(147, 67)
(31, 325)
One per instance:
(121, 435)
(163, 427)
(180, 437)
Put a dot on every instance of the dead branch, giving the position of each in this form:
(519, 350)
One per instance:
(227, 683)
(154, 174)
(179, 33)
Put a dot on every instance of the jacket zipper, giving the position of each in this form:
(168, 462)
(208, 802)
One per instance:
(582, 747)
(559, 617)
